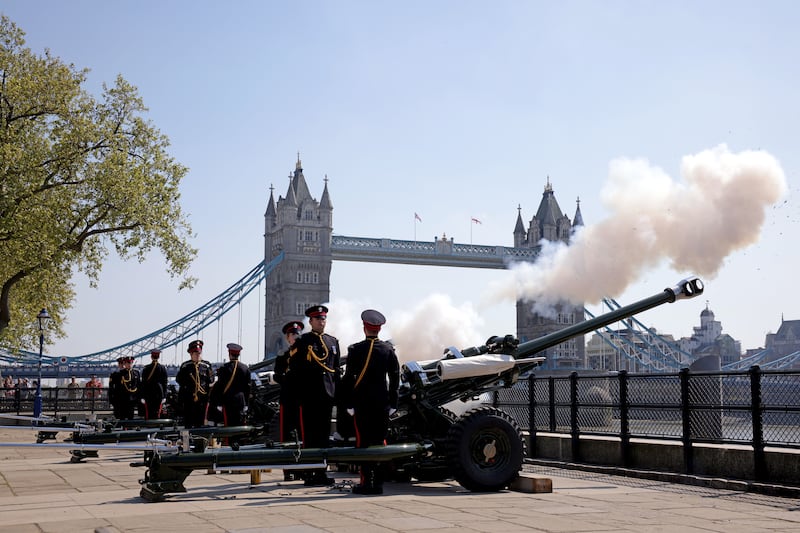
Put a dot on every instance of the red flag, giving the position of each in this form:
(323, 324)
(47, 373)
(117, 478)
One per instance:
(416, 217)
(475, 220)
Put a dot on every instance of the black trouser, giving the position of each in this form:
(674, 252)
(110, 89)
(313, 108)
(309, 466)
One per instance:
(289, 421)
(315, 427)
(194, 413)
(151, 408)
(123, 410)
(371, 425)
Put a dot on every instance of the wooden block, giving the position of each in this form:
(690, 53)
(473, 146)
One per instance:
(255, 477)
(531, 483)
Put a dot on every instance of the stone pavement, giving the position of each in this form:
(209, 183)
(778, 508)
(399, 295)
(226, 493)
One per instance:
(41, 490)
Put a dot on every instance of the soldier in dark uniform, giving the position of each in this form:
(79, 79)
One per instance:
(314, 366)
(232, 389)
(125, 389)
(369, 389)
(194, 381)
(153, 390)
(114, 386)
(289, 415)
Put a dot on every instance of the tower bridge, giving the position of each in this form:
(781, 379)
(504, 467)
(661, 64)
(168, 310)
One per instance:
(299, 249)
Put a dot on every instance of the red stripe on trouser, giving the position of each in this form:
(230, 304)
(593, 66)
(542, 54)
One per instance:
(302, 428)
(363, 478)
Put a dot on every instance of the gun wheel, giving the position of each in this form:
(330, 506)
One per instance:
(485, 450)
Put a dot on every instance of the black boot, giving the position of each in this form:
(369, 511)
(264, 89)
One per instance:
(318, 478)
(370, 482)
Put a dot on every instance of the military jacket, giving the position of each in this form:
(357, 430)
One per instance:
(284, 378)
(194, 381)
(372, 375)
(154, 382)
(113, 386)
(123, 386)
(232, 388)
(314, 366)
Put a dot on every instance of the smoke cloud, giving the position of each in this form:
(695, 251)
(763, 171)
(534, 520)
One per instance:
(418, 334)
(720, 207)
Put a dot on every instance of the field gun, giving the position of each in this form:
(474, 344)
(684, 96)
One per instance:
(482, 449)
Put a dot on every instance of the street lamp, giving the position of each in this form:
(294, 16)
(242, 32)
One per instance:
(42, 317)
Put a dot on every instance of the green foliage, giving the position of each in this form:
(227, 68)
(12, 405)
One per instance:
(78, 177)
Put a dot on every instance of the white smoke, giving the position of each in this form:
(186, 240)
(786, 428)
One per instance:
(694, 225)
(417, 334)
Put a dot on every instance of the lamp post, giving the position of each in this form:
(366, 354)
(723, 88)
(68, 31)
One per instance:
(42, 317)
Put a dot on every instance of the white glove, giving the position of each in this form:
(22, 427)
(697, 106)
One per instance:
(351, 411)
(219, 408)
(244, 410)
(392, 411)
(142, 400)
(163, 401)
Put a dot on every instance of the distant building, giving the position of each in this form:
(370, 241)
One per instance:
(550, 224)
(785, 342)
(708, 339)
(301, 227)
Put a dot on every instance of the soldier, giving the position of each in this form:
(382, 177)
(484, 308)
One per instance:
(230, 393)
(369, 389)
(113, 388)
(153, 390)
(194, 379)
(314, 366)
(289, 415)
(123, 389)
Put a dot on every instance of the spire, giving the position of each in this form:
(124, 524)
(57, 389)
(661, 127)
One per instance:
(271, 204)
(291, 197)
(578, 219)
(549, 211)
(519, 228)
(299, 183)
(325, 202)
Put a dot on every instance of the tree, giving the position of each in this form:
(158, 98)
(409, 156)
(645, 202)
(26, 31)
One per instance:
(78, 176)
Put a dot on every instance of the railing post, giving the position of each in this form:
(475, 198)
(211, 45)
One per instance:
(756, 413)
(573, 415)
(624, 421)
(551, 399)
(686, 418)
(532, 415)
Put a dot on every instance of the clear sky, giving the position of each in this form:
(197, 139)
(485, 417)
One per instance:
(450, 109)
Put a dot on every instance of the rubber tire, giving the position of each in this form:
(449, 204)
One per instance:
(476, 467)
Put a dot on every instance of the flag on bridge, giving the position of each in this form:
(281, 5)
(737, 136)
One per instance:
(476, 221)
(416, 217)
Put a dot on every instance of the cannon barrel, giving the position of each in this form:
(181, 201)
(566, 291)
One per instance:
(280, 457)
(686, 288)
(167, 472)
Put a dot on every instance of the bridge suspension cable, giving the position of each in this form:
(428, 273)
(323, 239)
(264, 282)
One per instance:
(609, 336)
(173, 333)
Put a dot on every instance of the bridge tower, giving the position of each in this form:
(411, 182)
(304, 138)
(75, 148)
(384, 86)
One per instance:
(551, 224)
(301, 227)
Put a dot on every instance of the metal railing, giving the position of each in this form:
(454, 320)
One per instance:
(755, 408)
(55, 400)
